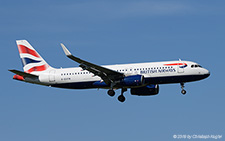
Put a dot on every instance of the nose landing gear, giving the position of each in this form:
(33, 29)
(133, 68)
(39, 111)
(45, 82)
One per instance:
(183, 92)
(182, 87)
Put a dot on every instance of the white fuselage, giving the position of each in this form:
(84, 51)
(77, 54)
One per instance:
(160, 72)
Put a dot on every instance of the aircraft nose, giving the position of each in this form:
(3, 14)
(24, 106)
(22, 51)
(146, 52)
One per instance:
(206, 73)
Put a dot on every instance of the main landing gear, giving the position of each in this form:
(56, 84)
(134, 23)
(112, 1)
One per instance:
(111, 92)
(121, 97)
(182, 87)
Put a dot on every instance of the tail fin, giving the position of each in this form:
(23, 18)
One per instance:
(31, 60)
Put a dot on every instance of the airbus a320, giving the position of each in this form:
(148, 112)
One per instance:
(142, 79)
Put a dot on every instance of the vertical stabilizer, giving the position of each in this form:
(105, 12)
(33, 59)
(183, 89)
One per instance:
(31, 60)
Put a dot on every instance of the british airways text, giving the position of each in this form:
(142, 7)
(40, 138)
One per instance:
(158, 71)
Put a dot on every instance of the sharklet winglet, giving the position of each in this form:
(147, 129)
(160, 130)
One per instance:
(66, 51)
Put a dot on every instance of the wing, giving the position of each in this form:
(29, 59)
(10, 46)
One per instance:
(106, 74)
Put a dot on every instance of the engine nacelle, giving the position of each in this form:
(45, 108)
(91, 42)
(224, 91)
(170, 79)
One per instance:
(144, 91)
(133, 80)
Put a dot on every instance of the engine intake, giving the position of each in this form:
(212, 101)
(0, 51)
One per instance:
(144, 91)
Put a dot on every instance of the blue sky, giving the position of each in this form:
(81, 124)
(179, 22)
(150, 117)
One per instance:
(113, 32)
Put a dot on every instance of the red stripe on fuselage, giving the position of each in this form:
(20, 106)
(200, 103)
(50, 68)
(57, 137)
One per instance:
(37, 68)
(175, 64)
(24, 49)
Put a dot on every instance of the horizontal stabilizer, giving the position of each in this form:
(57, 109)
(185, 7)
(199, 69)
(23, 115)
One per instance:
(24, 74)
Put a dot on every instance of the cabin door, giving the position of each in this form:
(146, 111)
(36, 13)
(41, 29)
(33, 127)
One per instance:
(52, 76)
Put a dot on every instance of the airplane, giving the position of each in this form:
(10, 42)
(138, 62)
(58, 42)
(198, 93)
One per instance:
(142, 79)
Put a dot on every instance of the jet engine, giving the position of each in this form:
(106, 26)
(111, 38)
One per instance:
(133, 80)
(145, 91)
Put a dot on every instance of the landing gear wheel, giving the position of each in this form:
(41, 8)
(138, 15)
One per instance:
(182, 87)
(183, 92)
(111, 92)
(121, 98)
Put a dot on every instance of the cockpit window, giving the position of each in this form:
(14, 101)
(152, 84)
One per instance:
(196, 66)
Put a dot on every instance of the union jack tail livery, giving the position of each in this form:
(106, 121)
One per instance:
(31, 60)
